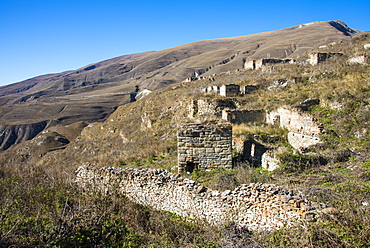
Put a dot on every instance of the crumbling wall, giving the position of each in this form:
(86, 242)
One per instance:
(209, 108)
(204, 147)
(243, 116)
(304, 131)
(258, 207)
(269, 160)
(230, 90)
(359, 59)
(319, 57)
(259, 63)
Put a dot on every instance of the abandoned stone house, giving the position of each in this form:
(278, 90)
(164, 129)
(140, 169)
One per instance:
(249, 150)
(244, 116)
(204, 147)
(212, 90)
(319, 57)
(229, 90)
(249, 88)
(256, 64)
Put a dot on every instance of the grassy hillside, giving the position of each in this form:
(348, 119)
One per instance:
(41, 205)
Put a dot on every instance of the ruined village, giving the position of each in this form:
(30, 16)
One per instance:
(209, 145)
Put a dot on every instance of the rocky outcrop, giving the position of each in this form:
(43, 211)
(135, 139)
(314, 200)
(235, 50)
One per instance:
(258, 207)
(15, 134)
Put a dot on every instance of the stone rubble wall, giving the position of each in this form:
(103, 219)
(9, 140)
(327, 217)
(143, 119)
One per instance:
(258, 207)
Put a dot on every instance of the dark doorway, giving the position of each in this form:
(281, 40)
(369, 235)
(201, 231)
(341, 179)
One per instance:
(190, 166)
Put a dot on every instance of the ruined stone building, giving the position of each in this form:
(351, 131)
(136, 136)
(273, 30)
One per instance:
(249, 150)
(319, 57)
(229, 90)
(244, 116)
(259, 63)
(249, 89)
(303, 129)
(212, 90)
(204, 146)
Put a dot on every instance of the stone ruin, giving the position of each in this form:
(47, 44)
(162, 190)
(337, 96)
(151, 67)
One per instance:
(209, 108)
(359, 59)
(204, 147)
(303, 129)
(319, 57)
(228, 90)
(256, 64)
(212, 90)
(244, 116)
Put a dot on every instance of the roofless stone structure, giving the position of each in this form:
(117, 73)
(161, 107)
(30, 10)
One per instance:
(204, 146)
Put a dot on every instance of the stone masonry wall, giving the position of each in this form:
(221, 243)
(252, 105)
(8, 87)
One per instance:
(204, 147)
(243, 116)
(319, 57)
(303, 130)
(229, 90)
(259, 63)
(209, 108)
(258, 207)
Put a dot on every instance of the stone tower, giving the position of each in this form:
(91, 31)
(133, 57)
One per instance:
(204, 147)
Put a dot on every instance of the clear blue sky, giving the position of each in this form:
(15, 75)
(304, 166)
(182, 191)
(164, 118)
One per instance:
(39, 37)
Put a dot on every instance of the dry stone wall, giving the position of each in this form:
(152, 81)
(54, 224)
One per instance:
(258, 207)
